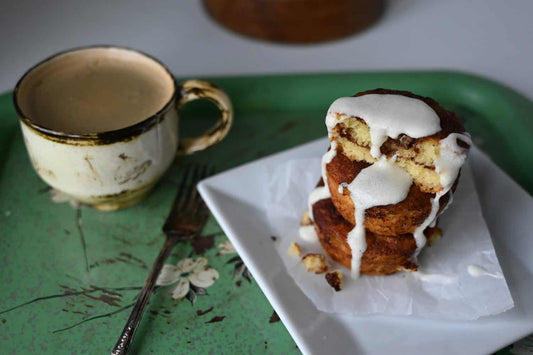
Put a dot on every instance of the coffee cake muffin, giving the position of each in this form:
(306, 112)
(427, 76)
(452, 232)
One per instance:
(391, 169)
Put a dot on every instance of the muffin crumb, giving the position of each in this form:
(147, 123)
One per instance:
(294, 249)
(334, 279)
(306, 220)
(315, 263)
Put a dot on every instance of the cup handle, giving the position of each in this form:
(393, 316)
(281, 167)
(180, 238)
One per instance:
(191, 90)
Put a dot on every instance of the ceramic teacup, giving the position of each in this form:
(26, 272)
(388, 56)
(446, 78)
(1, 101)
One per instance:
(100, 124)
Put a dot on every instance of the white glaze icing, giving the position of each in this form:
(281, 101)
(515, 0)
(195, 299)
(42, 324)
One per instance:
(477, 271)
(435, 278)
(451, 158)
(308, 233)
(386, 116)
(322, 192)
(379, 184)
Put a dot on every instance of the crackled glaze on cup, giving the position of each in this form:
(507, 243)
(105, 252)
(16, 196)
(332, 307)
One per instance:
(115, 169)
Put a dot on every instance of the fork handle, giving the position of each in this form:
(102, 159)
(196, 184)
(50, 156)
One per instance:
(124, 341)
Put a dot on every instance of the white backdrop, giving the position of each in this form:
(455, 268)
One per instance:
(492, 38)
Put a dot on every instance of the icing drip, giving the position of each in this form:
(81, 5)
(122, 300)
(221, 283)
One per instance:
(477, 271)
(386, 116)
(322, 192)
(382, 183)
(435, 278)
(451, 158)
(418, 234)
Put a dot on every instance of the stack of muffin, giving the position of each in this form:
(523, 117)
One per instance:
(392, 167)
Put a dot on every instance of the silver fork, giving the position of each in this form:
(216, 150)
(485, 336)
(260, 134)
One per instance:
(184, 221)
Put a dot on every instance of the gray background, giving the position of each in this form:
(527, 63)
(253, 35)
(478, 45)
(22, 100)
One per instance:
(492, 38)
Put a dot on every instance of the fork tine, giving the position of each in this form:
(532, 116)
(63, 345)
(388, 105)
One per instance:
(196, 199)
(193, 192)
(197, 208)
(203, 173)
(179, 200)
(208, 171)
(190, 209)
(181, 187)
(188, 200)
(197, 176)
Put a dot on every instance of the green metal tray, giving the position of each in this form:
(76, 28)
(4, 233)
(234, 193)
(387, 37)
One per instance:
(75, 310)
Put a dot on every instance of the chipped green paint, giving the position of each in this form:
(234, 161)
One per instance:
(83, 302)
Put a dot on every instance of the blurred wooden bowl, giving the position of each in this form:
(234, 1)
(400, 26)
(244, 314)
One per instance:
(295, 21)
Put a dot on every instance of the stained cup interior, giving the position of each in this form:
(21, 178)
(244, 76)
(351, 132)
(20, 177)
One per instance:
(94, 90)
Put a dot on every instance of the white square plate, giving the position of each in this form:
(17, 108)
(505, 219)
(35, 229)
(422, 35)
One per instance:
(237, 200)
